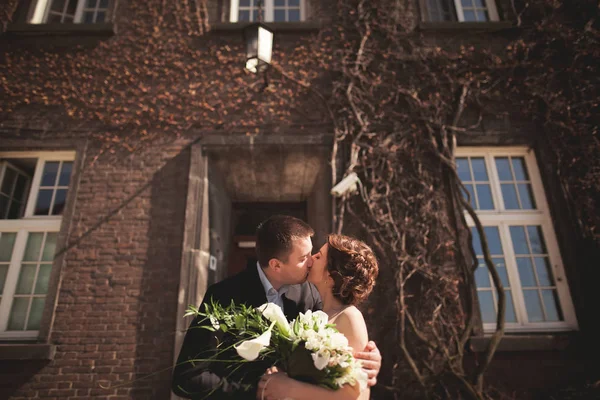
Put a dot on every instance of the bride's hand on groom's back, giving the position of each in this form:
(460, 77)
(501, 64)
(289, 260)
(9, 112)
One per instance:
(370, 358)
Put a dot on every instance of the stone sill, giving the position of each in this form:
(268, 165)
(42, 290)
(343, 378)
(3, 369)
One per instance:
(278, 27)
(524, 342)
(465, 26)
(55, 29)
(33, 351)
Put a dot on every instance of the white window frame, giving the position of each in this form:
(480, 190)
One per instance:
(42, 10)
(29, 223)
(490, 6)
(503, 218)
(269, 11)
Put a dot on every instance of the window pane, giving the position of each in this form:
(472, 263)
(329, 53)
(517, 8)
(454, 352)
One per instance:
(469, 16)
(294, 15)
(34, 245)
(41, 284)
(103, 3)
(54, 18)
(551, 305)
(100, 17)
(517, 233)
(503, 169)
(526, 272)
(542, 267)
(479, 170)
(501, 268)
(50, 172)
(476, 241)
(486, 304)
(43, 203)
(26, 278)
(3, 271)
(462, 168)
(9, 180)
(58, 5)
(533, 305)
(482, 277)
(244, 15)
(510, 315)
(279, 15)
(294, 3)
(279, 3)
(35, 314)
(49, 247)
(526, 196)
(7, 242)
(479, 3)
(72, 6)
(471, 196)
(484, 195)
(21, 188)
(59, 202)
(536, 239)
(18, 313)
(88, 17)
(15, 210)
(255, 15)
(91, 3)
(466, 3)
(4, 204)
(518, 164)
(509, 194)
(244, 3)
(482, 16)
(493, 237)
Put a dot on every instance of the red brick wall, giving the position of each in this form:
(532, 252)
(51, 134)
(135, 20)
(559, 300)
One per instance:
(116, 310)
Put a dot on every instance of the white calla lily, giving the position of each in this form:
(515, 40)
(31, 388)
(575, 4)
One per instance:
(320, 318)
(249, 349)
(274, 313)
(320, 359)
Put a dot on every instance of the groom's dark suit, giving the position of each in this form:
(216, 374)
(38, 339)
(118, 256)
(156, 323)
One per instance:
(196, 380)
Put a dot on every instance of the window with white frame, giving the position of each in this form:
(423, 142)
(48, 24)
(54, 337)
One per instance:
(33, 192)
(71, 11)
(506, 191)
(460, 10)
(273, 10)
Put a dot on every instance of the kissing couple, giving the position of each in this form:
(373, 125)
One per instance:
(335, 280)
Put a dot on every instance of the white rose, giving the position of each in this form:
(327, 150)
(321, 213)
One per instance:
(249, 349)
(274, 313)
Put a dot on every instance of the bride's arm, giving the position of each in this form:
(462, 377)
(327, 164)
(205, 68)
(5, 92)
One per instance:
(280, 386)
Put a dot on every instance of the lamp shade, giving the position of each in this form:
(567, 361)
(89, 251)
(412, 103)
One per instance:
(259, 47)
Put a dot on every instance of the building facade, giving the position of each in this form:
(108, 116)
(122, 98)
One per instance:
(137, 157)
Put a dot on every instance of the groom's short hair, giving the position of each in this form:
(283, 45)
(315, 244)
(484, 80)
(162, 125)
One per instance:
(275, 237)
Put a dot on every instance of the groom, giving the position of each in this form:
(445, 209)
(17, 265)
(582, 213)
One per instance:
(283, 249)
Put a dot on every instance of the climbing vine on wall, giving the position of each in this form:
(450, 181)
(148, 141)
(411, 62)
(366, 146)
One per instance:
(396, 101)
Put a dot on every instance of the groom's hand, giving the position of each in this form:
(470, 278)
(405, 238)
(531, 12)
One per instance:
(370, 358)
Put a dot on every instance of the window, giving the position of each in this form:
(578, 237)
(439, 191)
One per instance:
(506, 191)
(460, 10)
(273, 10)
(33, 192)
(70, 11)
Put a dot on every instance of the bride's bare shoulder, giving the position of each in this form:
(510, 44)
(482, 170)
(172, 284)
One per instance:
(352, 324)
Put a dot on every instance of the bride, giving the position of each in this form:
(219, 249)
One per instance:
(344, 272)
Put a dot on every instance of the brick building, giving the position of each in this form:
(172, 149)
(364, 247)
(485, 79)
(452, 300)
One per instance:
(101, 249)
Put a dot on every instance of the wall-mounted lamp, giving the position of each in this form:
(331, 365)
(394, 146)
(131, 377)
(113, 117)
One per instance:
(259, 47)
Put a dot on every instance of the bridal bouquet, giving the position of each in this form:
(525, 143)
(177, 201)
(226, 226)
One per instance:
(307, 349)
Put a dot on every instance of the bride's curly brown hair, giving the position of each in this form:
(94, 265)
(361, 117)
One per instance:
(353, 268)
